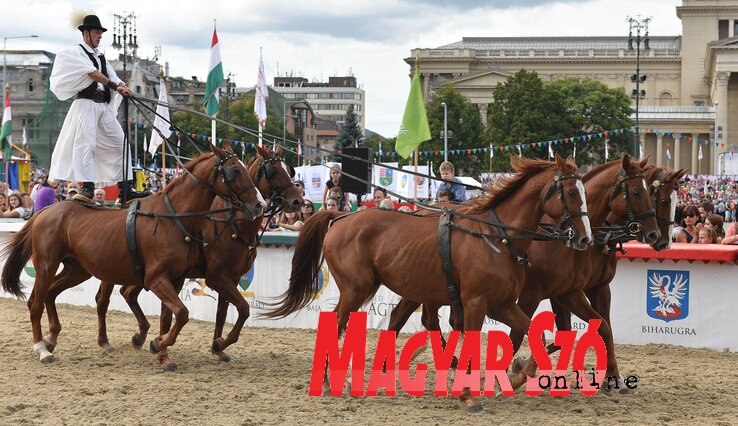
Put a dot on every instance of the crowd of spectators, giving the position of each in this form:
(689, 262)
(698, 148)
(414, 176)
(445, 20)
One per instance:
(706, 206)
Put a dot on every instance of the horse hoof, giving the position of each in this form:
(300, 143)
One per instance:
(628, 391)
(170, 368)
(153, 348)
(226, 359)
(48, 359)
(137, 341)
(215, 347)
(476, 409)
(49, 346)
(108, 350)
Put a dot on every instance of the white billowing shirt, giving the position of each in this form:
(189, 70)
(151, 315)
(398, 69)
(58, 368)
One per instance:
(69, 75)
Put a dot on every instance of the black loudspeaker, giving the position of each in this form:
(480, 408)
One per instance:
(362, 169)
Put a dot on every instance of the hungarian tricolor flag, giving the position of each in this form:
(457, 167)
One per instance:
(215, 77)
(6, 132)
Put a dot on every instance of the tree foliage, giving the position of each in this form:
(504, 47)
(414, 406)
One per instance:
(349, 132)
(525, 110)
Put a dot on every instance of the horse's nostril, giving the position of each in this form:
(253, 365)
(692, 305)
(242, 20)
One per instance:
(652, 236)
(584, 241)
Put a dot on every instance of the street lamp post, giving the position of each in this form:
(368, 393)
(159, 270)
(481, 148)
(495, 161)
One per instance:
(284, 114)
(5, 60)
(715, 140)
(638, 25)
(445, 131)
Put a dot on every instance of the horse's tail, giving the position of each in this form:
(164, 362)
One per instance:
(16, 253)
(305, 266)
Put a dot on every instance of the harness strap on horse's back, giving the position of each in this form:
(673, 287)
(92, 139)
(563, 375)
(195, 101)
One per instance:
(131, 240)
(444, 249)
(514, 252)
(177, 222)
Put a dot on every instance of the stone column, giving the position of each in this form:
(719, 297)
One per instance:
(483, 109)
(721, 118)
(659, 149)
(677, 150)
(695, 162)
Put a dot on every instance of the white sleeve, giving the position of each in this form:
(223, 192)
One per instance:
(69, 74)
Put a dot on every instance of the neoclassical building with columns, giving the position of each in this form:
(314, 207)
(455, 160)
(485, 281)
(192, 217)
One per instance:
(691, 80)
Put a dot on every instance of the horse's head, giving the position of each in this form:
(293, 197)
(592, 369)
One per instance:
(630, 200)
(663, 185)
(564, 201)
(273, 176)
(231, 181)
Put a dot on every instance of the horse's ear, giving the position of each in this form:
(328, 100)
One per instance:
(278, 150)
(676, 175)
(645, 160)
(626, 164)
(227, 146)
(217, 151)
(560, 163)
(260, 150)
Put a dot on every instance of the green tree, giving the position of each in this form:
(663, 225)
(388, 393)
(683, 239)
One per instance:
(527, 110)
(349, 133)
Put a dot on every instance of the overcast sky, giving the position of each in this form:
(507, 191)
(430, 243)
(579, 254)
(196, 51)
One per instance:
(319, 39)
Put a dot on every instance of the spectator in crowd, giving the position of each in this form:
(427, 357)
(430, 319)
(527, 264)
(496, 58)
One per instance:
(691, 223)
(72, 190)
(715, 222)
(386, 204)
(729, 207)
(27, 205)
(301, 186)
(336, 193)
(3, 203)
(379, 195)
(404, 209)
(706, 208)
(731, 236)
(290, 221)
(46, 194)
(707, 236)
(331, 204)
(307, 210)
(16, 206)
(99, 198)
(457, 190)
(678, 218)
(444, 196)
(334, 181)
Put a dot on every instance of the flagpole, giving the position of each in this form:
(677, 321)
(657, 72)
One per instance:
(260, 129)
(415, 182)
(163, 165)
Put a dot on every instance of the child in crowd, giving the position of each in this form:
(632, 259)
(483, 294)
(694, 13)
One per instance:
(455, 188)
(707, 236)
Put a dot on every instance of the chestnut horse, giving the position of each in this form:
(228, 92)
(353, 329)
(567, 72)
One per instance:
(92, 241)
(373, 247)
(615, 190)
(229, 253)
(663, 185)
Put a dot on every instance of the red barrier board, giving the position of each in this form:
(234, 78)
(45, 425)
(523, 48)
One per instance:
(682, 251)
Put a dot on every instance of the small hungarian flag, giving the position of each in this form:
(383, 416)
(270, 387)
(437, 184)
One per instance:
(668, 152)
(6, 132)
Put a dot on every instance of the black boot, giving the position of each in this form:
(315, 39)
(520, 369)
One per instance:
(126, 193)
(86, 193)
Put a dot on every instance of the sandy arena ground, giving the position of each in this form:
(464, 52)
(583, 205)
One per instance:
(268, 379)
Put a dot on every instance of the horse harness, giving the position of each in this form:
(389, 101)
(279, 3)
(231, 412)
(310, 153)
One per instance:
(232, 203)
(446, 223)
(612, 236)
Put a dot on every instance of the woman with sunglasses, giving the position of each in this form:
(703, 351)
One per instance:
(692, 223)
(307, 210)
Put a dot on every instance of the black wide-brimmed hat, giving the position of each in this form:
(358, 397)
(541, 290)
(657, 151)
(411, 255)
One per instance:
(91, 22)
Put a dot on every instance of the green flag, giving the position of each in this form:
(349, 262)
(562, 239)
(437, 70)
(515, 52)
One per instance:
(414, 129)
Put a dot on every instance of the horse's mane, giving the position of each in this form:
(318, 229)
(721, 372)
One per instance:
(526, 168)
(189, 166)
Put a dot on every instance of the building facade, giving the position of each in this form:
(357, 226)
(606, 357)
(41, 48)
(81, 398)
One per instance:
(691, 87)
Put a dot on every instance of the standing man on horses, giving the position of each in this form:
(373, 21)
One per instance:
(91, 139)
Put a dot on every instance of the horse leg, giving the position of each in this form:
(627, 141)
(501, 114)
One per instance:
(71, 275)
(563, 322)
(577, 302)
(519, 322)
(102, 301)
(218, 345)
(165, 291)
(45, 272)
(474, 312)
(165, 320)
(401, 314)
(130, 294)
(229, 294)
